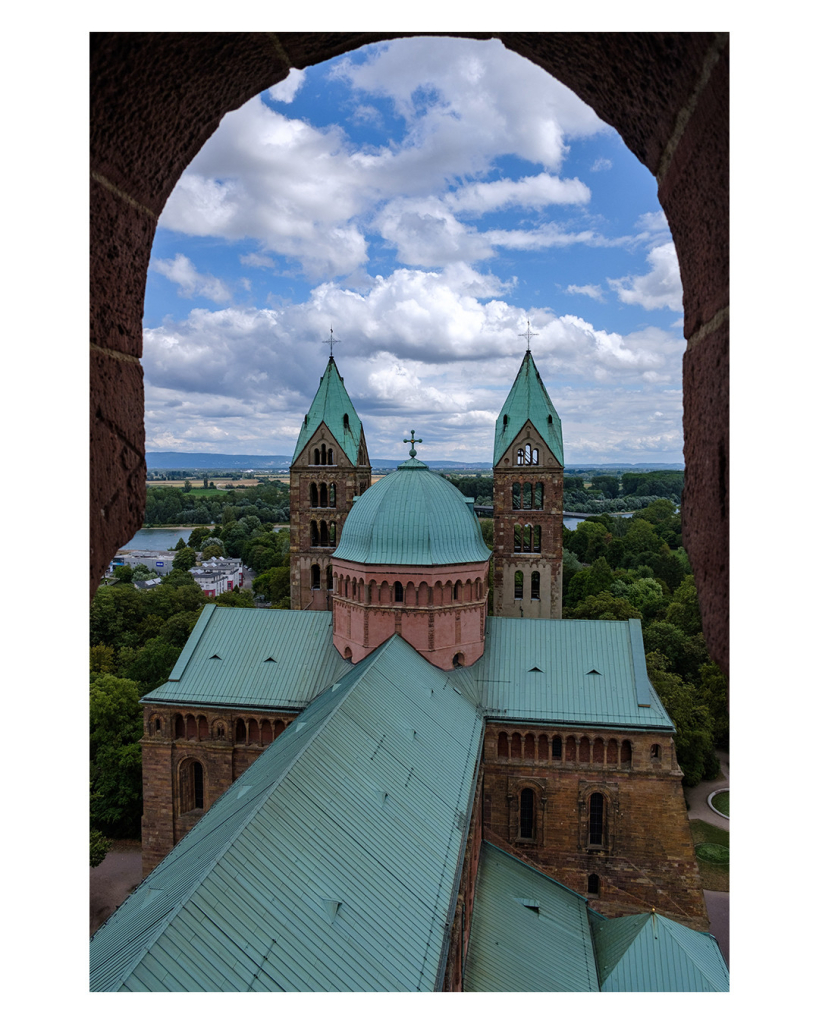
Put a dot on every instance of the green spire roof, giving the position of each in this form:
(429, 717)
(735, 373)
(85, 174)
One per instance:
(332, 406)
(528, 400)
(412, 518)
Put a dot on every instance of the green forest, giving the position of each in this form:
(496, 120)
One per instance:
(178, 506)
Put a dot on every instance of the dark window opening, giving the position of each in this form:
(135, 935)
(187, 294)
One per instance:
(516, 495)
(503, 745)
(593, 887)
(399, 593)
(557, 748)
(332, 495)
(596, 806)
(655, 752)
(329, 456)
(323, 496)
(517, 537)
(323, 534)
(527, 814)
(315, 577)
(538, 496)
(536, 539)
(313, 495)
(527, 495)
(535, 586)
(329, 577)
(198, 785)
(518, 585)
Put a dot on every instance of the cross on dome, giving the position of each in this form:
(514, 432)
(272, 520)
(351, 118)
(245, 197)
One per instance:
(412, 440)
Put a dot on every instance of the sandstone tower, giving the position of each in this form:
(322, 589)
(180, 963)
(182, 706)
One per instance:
(330, 467)
(528, 499)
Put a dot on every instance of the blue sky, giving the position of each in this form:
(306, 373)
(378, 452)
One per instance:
(426, 198)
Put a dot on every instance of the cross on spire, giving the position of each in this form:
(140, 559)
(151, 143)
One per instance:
(528, 335)
(331, 341)
(412, 440)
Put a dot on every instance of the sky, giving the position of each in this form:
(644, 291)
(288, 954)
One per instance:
(430, 200)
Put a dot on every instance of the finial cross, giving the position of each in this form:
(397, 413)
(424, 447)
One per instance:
(528, 335)
(331, 341)
(412, 440)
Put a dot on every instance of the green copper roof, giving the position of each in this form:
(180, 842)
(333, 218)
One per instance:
(412, 517)
(650, 953)
(331, 864)
(528, 400)
(529, 933)
(330, 406)
(254, 657)
(572, 671)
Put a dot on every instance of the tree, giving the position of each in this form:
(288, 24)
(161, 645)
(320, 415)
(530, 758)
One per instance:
(603, 606)
(116, 758)
(180, 545)
(273, 585)
(684, 609)
(236, 599)
(185, 558)
(124, 573)
(591, 581)
(488, 532)
(211, 551)
(197, 537)
(99, 847)
(694, 741)
(152, 664)
(178, 628)
(713, 691)
(103, 658)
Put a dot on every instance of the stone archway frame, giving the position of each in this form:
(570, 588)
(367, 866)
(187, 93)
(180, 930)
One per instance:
(157, 97)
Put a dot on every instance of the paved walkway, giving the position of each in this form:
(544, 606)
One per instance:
(717, 903)
(114, 879)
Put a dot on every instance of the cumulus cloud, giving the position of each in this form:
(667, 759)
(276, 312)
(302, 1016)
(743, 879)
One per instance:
(659, 288)
(285, 92)
(183, 273)
(417, 350)
(532, 192)
(602, 163)
(592, 291)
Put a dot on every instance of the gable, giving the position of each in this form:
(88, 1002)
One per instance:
(528, 435)
(323, 435)
(332, 408)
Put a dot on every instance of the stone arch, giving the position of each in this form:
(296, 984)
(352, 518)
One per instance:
(625, 752)
(267, 732)
(241, 731)
(278, 728)
(611, 752)
(570, 753)
(529, 746)
(191, 778)
(219, 729)
(666, 94)
(201, 727)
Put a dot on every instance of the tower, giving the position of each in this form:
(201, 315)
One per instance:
(330, 467)
(528, 499)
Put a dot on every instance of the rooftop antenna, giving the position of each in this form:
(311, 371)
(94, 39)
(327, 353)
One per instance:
(331, 341)
(528, 335)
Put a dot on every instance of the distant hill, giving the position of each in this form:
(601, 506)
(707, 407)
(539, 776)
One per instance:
(211, 461)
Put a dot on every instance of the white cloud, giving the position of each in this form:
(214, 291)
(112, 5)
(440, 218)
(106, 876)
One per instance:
(183, 273)
(659, 288)
(593, 291)
(285, 92)
(602, 163)
(532, 192)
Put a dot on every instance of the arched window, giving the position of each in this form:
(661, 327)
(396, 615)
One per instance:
(324, 455)
(597, 752)
(278, 728)
(538, 496)
(191, 786)
(241, 731)
(597, 816)
(219, 731)
(253, 731)
(456, 591)
(536, 586)
(527, 495)
(593, 887)
(543, 747)
(516, 495)
(202, 727)
(332, 495)
(329, 456)
(515, 745)
(584, 749)
(520, 457)
(315, 577)
(332, 535)
(190, 727)
(179, 727)
(314, 534)
(625, 752)
(527, 454)
(557, 748)
(503, 745)
(655, 752)
(518, 586)
(323, 534)
(316, 457)
(267, 733)
(518, 532)
(611, 752)
(323, 496)
(458, 659)
(571, 749)
(399, 593)
(527, 814)
(313, 495)
(534, 456)
(329, 577)
(536, 539)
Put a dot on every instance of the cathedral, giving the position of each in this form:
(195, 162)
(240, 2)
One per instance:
(388, 788)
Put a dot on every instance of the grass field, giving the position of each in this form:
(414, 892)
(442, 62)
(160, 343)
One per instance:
(222, 483)
(720, 802)
(715, 876)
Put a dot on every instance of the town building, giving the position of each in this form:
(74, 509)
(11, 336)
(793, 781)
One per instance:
(384, 794)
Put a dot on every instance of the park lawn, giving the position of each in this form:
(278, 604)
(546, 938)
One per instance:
(720, 802)
(715, 877)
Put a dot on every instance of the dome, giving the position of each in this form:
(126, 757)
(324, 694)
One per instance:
(412, 517)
